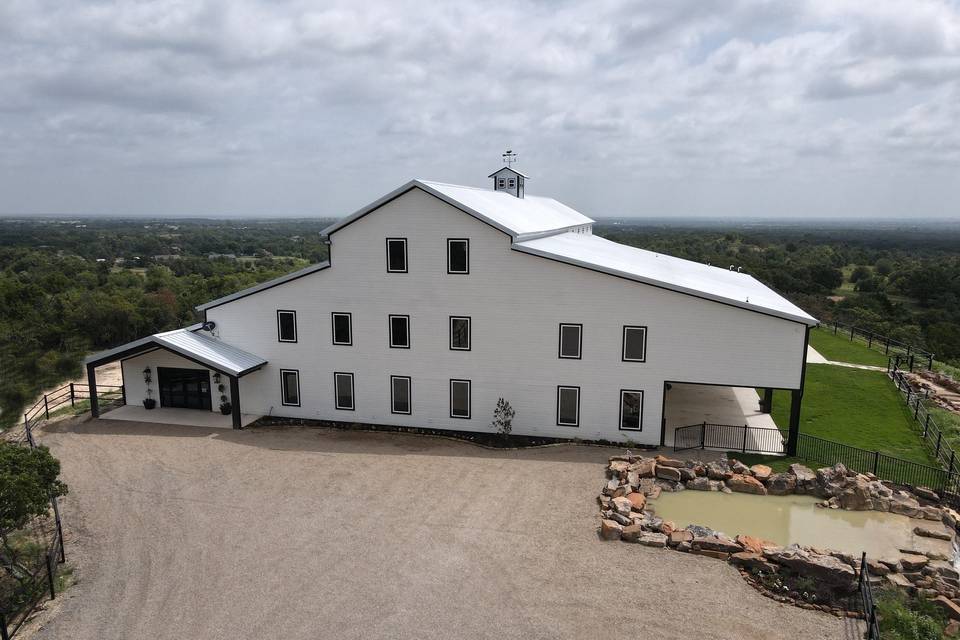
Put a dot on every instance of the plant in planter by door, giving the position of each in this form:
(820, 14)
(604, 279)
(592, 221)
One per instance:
(225, 406)
(149, 402)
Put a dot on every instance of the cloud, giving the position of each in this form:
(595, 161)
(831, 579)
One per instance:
(615, 106)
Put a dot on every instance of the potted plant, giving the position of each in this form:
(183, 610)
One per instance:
(149, 402)
(225, 407)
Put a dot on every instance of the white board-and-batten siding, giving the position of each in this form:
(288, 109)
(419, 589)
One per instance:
(516, 303)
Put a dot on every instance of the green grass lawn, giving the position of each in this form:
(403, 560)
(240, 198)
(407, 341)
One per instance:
(840, 349)
(856, 407)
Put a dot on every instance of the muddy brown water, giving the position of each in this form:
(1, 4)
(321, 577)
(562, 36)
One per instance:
(797, 519)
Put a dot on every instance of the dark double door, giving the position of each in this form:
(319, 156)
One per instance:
(184, 388)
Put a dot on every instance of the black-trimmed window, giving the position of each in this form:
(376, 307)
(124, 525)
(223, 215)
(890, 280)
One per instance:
(571, 341)
(286, 325)
(458, 255)
(343, 391)
(399, 332)
(396, 255)
(400, 395)
(290, 387)
(568, 406)
(501, 183)
(631, 410)
(459, 333)
(460, 399)
(342, 328)
(634, 344)
(511, 183)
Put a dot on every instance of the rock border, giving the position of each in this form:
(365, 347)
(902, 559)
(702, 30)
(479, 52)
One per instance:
(634, 480)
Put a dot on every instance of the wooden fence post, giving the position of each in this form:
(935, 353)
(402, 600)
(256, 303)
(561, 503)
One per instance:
(53, 590)
(71, 395)
(852, 329)
(939, 438)
(46, 407)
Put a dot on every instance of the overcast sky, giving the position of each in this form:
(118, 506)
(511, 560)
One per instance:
(666, 108)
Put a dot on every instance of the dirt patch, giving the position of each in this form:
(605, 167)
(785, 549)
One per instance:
(944, 391)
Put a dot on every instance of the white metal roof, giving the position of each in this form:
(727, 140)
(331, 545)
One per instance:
(677, 274)
(519, 217)
(190, 343)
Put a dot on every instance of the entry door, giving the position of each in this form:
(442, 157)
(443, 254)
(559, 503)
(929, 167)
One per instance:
(184, 388)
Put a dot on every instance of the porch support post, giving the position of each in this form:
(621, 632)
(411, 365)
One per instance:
(796, 399)
(92, 386)
(235, 400)
(766, 405)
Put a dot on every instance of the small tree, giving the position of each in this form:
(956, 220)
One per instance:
(503, 418)
(28, 479)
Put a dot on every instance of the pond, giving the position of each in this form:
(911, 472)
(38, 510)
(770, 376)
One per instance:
(797, 519)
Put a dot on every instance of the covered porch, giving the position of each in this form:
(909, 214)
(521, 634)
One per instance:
(736, 418)
(187, 367)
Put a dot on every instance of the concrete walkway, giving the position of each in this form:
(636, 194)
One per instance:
(814, 357)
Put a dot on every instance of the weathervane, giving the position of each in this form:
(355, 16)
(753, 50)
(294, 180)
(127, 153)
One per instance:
(509, 158)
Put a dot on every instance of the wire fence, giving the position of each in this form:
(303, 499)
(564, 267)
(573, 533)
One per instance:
(912, 356)
(30, 554)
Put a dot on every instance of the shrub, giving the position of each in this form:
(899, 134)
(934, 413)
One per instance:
(503, 417)
(905, 618)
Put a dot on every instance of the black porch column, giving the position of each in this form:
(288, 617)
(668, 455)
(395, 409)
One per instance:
(766, 404)
(92, 386)
(796, 399)
(235, 400)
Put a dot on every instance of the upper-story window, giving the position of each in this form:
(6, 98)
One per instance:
(635, 344)
(396, 255)
(570, 340)
(459, 333)
(511, 183)
(286, 326)
(458, 255)
(342, 328)
(501, 183)
(399, 332)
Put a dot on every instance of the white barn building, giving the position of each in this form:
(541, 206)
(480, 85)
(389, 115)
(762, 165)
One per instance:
(439, 299)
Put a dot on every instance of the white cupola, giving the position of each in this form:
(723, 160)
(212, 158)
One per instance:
(508, 180)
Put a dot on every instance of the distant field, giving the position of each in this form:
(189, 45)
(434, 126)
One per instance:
(839, 348)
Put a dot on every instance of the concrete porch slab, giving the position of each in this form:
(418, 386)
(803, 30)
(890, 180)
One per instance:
(167, 415)
(688, 404)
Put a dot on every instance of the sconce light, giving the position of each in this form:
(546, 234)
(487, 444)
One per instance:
(147, 375)
(216, 378)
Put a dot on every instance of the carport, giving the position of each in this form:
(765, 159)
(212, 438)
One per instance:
(195, 345)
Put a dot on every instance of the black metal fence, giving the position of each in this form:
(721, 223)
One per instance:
(924, 423)
(912, 355)
(29, 556)
(748, 439)
(866, 597)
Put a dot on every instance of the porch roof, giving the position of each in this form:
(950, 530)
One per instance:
(191, 344)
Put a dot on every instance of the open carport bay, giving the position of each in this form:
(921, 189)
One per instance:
(188, 532)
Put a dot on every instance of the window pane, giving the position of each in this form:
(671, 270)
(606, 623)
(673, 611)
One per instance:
(288, 325)
(631, 406)
(634, 343)
(568, 399)
(401, 395)
(397, 255)
(344, 391)
(460, 333)
(569, 341)
(291, 391)
(341, 328)
(399, 332)
(460, 399)
(458, 261)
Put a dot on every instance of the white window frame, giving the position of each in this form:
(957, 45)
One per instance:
(390, 331)
(336, 391)
(283, 387)
(560, 390)
(623, 353)
(469, 332)
(501, 183)
(333, 327)
(465, 241)
(393, 400)
(454, 381)
(280, 337)
(511, 183)
(406, 262)
(579, 327)
(639, 426)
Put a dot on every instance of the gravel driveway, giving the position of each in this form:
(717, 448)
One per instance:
(186, 532)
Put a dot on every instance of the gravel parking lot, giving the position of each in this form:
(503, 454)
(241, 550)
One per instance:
(187, 532)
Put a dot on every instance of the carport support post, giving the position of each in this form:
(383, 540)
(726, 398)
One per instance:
(235, 400)
(796, 397)
(767, 404)
(92, 385)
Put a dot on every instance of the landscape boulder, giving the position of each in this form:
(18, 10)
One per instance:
(806, 478)
(610, 530)
(719, 470)
(830, 571)
(631, 533)
(716, 543)
(738, 467)
(746, 484)
(663, 461)
(651, 539)
(932, 533)
(904, 504)
(948, 606)
(667, 472)
(703, 483)
(754, 544)
(687, 474)
(913, 562)
(644, 468)
(618, 468)
(761, 472)
(637, 500)
(622, 505)
(751, 560)
(781, 484)
(856, 494)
